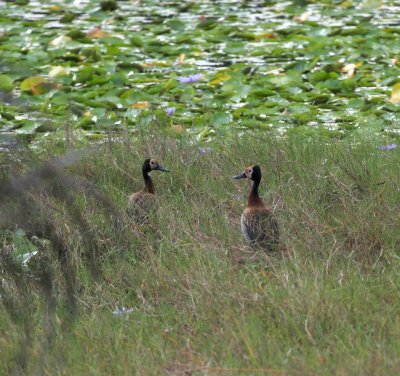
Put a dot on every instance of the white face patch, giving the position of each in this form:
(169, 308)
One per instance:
(248, 172)
(153, 164)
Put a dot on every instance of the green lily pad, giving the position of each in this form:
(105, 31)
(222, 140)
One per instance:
(221, 118)
(6, 83)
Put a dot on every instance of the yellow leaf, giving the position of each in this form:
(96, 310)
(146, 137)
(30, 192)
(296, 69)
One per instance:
(220, 77)
(37, 85)
(140, 105)
(60, 41)
(58, 71)
(346, 4)
(96, 32)
(181, 58)
(155, 64)
(350, 69)
(31, 82)
(54, 8)
(395, 97)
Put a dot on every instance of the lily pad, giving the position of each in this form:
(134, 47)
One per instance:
(6, 83)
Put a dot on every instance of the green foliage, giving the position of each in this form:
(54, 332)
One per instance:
(322, 56)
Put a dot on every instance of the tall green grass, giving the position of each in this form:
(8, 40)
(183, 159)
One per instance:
(203, 301)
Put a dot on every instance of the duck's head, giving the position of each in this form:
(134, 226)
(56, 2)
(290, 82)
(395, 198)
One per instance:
(251, 172)
(151, 164)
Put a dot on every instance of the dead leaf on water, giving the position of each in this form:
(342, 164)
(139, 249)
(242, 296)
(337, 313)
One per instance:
(140, 105)
(153, 64)
(350, 69)
(96, 32)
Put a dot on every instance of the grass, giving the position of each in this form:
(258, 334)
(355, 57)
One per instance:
(203, 302)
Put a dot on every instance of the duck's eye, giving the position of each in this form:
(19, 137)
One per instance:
(151, 162)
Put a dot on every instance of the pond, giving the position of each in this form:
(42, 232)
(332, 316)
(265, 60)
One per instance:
(207, 68)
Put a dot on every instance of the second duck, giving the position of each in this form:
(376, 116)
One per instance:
(141, 203)
(259, 226)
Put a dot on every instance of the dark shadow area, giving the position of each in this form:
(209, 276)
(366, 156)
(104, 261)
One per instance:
(54, 208)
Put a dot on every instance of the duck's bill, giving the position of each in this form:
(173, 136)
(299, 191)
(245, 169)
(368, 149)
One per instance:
(240, 176)
(162, 168)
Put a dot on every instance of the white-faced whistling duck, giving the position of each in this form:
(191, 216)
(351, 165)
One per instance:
(258, 223)
(144, 201)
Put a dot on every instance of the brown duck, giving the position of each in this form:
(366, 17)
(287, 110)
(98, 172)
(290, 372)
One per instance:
(141, 203)
(258, 223)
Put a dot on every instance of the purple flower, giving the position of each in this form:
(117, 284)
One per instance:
(170, 110)
(387, 147)
(191, 78)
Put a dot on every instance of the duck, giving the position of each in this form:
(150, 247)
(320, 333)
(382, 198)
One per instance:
(141, 203)
(258, 223)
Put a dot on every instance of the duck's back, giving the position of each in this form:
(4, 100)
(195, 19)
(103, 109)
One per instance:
(140, 205)
(260, 227)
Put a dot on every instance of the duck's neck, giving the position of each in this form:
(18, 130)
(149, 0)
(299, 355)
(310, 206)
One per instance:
(254, 198)
(148, 183)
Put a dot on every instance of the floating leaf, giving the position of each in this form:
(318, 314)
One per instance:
(176, 24)
(318, 76)
(29, 83)
(68, 17)
(37, 85)
(60, 41)
(372, 4)
(6, 83)
(395, 97)
(27, 126)
(136, 40)
(96, 32)
(58, 71)
(303, 17)
(267, 35)
(181, 59)
(221, 118)
(54, 8)
(140, 105)
(350, 69)
(242, 92)
(219, 78)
